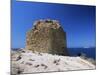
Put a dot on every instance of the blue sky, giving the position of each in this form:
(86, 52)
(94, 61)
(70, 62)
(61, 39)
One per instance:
(78, 21)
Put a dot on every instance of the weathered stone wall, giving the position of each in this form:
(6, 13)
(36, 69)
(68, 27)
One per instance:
(47, 36)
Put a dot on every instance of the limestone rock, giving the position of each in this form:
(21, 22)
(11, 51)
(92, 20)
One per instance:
(47, 36)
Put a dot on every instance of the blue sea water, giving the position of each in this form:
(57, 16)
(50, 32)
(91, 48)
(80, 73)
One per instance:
(89, 52)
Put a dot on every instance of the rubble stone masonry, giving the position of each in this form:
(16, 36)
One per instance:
(47, 36)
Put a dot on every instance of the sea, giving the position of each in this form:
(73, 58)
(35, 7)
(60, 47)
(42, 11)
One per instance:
(88, 52)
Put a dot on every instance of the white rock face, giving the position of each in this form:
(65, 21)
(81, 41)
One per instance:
(27, 62)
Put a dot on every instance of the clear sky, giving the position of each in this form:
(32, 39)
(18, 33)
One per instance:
(78, 21)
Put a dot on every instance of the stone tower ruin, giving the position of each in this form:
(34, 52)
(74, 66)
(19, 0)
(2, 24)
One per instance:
(47, 36)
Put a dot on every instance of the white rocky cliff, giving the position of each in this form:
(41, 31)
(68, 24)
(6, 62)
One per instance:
(25, 61)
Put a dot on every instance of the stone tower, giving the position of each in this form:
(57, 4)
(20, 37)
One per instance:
(47, 36)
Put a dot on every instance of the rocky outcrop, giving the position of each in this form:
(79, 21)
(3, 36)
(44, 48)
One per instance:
(25, 62)
(47, 36)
